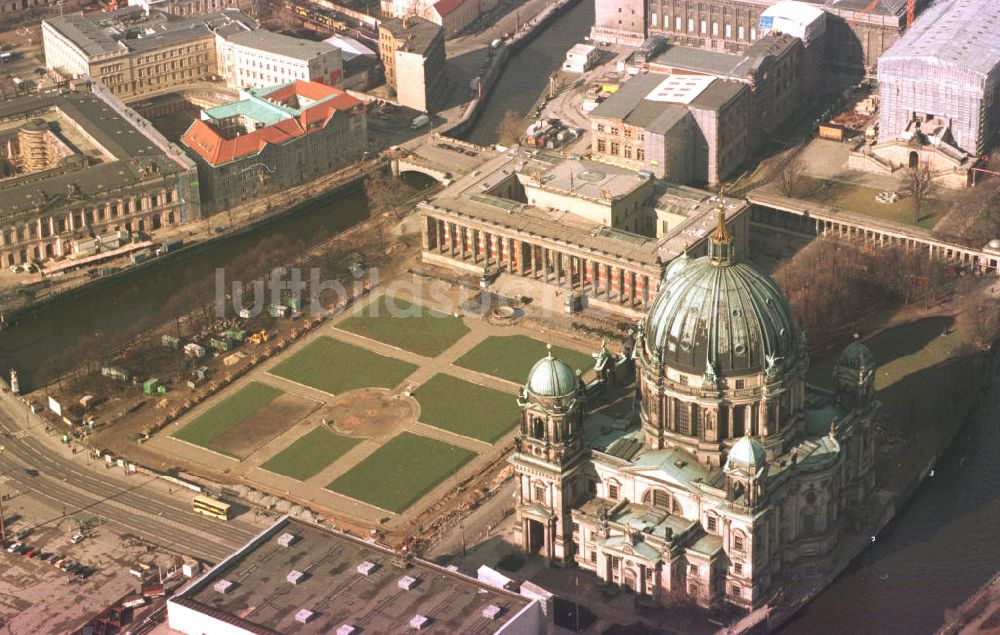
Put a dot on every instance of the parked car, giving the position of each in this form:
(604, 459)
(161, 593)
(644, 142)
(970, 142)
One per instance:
(68, 564)
(31, 553)
(22, 534)
(76, 539)
(14, 547)
(44, 556)
(57, 561)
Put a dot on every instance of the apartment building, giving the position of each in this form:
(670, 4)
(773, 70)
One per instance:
(412, 51)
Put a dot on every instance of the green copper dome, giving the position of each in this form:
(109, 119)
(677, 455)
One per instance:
(747, 453)
(551, 377)
(719, 313)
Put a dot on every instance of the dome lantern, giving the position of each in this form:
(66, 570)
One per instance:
(720, 243)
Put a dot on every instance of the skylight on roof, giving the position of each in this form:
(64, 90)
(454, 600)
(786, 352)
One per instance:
(680, 89)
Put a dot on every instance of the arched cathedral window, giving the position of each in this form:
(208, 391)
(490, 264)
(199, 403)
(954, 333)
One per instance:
(537, 428)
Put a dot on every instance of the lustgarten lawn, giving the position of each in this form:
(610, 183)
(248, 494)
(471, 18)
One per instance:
(335, 367)
(410, 326)
(227, 413)
(511, 357)
(400, 472)
(467, 409)
(310, 454)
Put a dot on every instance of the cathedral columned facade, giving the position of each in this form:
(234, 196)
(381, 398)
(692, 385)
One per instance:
(737, 479)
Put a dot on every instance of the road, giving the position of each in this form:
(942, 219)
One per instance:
(134, 505)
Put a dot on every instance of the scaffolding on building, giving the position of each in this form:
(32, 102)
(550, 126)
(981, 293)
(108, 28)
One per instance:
(947, 65)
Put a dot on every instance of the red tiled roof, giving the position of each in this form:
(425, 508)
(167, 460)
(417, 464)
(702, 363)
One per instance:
(444, 7)
(207, 141)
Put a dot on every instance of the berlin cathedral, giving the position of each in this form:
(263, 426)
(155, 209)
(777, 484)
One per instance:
(737, 477)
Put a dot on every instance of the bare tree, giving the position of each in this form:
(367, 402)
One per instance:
(918, 185)
(974, 218)
(511, 128)
(384, 192)
(788, 173)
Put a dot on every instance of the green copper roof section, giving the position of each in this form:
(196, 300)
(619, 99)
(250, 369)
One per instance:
(856, 356)
(747, 453)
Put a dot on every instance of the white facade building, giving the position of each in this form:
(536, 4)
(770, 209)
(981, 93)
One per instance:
(256, 59)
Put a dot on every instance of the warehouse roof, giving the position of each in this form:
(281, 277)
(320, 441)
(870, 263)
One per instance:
(657, 103)
(964, 33)
(702, 61)
(717, 94)
(630, 105)
(342, 581)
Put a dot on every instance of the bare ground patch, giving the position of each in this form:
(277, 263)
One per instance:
(279, 415)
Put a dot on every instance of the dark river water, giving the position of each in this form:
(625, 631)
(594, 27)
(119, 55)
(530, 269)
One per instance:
(527, 72)
(33, 339)
(934, 554)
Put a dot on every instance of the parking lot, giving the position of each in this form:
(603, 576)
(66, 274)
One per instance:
(22, 64)
(58, 571)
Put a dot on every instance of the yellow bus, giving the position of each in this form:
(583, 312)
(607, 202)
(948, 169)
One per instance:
(211, 507)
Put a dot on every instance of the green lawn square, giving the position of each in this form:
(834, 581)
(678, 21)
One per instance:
(400, 472)
(227, 413)
(467, 409)
(336, 367)
(410, 326)
(310, 454)
(511, 357)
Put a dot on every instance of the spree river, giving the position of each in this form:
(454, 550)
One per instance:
(527, 72)
(934, 554)
(26, 344)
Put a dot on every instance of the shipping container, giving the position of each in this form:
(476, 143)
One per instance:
(831, 131)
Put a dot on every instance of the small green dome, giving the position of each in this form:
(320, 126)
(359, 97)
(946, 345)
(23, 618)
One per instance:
(551, 377)
(856, 356)
(747, 453)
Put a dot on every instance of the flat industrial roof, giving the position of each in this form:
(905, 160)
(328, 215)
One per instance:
(702, 61)
(262, 599)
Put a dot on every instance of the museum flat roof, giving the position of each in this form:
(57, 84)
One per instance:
(128, 155)
(342, 581)
(129, 29)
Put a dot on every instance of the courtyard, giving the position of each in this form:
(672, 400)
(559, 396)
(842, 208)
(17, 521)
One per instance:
(373, 415)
